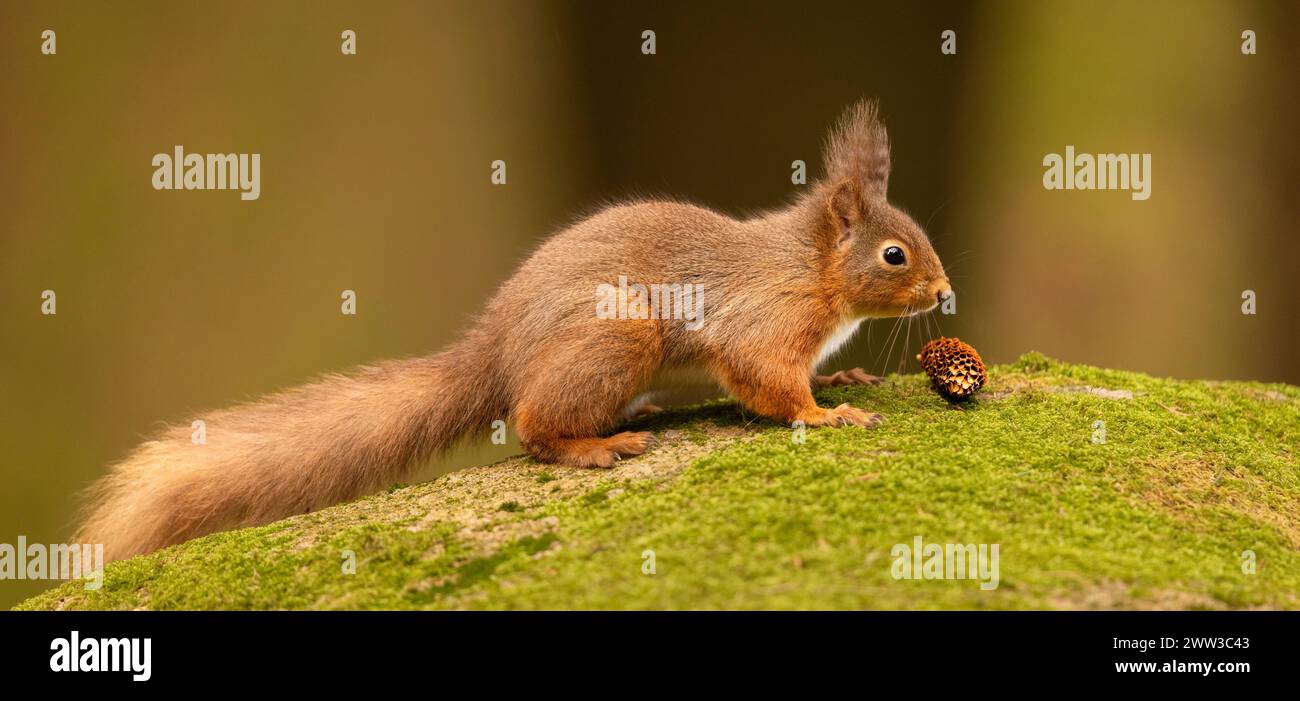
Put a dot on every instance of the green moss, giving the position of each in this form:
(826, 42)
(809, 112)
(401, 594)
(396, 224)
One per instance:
(1191, 476)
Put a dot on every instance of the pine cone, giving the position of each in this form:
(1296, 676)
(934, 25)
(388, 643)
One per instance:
(954, 367)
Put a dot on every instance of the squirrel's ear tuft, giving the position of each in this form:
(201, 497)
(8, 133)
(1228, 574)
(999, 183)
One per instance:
(858, 150)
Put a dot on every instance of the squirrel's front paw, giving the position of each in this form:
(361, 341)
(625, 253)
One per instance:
(856, 376)
(845, 415)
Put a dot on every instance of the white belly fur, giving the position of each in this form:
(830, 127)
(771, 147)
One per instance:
(675, 386)
(841, 336)
(689, 384)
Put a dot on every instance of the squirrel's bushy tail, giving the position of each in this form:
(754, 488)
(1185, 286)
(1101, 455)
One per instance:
(302, 449)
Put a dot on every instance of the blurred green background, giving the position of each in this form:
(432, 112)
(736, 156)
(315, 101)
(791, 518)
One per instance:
(375, 177)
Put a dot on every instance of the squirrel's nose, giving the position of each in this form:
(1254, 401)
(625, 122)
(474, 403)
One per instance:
(943, 291)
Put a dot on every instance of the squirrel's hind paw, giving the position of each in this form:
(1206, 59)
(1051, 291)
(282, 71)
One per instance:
(592, 452)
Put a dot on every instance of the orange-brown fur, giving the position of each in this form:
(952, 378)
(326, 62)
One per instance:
(777, 287)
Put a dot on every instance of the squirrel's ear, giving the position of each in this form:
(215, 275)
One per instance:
(858, 150)
(844, 210)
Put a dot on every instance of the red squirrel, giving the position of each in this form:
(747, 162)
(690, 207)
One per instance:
(784, 289)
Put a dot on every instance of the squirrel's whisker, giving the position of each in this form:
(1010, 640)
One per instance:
(898, 324)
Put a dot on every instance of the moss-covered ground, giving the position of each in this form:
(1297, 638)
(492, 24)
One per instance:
(1194, 483)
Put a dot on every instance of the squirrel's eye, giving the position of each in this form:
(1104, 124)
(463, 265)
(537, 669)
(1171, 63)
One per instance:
(894, 256)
